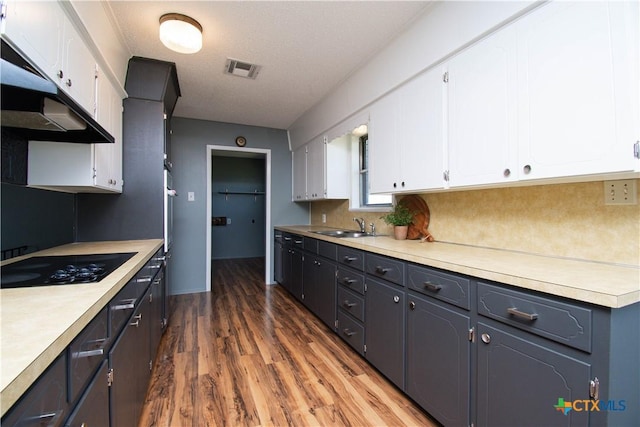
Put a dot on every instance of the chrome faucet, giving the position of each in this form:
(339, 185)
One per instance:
(362, 224)
(373, 229)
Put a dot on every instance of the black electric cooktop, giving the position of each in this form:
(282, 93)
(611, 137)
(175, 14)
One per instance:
(61, 270)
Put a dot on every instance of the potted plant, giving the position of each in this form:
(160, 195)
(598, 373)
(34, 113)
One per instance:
(400, 217)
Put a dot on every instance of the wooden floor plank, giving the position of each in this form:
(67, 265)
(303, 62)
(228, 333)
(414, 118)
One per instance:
(246, 354)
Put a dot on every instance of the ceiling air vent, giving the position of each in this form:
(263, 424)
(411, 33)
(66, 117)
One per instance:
(241, 69)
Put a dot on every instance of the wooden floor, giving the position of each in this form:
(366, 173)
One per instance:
(249, 354)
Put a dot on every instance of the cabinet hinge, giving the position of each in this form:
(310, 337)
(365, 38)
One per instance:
(636, 150)
(365, 287)
(335, 323)
(365, 348)
(445, 175)
(164, 116)
(325, 139)
(472, 334)
(109, 377)
(150, 365)
(302, 296)
(3, 10)
(445, 77)
(594, 388)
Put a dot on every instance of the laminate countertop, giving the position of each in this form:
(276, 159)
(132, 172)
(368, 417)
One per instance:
(607, 285)
(38, 323)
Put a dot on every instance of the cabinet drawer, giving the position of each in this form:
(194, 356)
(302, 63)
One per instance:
(86, 352)
(351, 331)
(297, 241)
(351, 303)
(310, 245)
(156, 262)
(565, 323)
(121, 307)
(354, 258)
(350, 279)
(45, 403)
(443, 286)
(385, 268)
(327, 250)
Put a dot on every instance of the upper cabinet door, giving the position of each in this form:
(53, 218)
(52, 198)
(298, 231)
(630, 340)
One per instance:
(316, 164)
(422, 132)
(384, 151)
(299, 164)
(36, 29)
(482, 112)
(77, 76)
(578, 89)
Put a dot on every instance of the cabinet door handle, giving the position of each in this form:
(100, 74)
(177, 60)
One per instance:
(348, 304)
(521, 314)
(137, 317)
(127, 304)
(348, 333)
(412, 305)
(381, 270)
(432, 287)
(90, 353)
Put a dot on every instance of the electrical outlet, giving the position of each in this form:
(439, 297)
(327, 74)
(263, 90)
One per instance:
(191, 196)
(228, 221)
(621, 192)
(324, 218)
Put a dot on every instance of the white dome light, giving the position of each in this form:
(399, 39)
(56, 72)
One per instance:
(180, 33)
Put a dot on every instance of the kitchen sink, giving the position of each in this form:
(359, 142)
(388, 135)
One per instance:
(343, 233)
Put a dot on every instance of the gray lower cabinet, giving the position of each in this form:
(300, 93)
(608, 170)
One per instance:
(384, 329)
(519, 382)
(319, 278)
(93, 407)
(473, 352)
(278, 253)
(45, 403)
(292, 265)
(439, 359)
(129, 364)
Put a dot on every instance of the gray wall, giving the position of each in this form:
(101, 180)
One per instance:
(36, 218)
(244, 237)
(189, 155)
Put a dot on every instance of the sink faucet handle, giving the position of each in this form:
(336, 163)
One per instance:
(361, 223)
(373, 228)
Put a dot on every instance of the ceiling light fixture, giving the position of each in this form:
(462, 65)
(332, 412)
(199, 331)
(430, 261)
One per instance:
(180, 33)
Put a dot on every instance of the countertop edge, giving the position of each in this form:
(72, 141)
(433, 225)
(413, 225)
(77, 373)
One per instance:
(573, 291)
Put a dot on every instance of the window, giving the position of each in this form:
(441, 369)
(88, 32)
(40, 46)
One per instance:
(368, 200)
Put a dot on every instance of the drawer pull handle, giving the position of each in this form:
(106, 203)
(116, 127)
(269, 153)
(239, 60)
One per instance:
(348, 281)
(53, 415)
(137, 317)
(90, 353)
(381, 270)
(350, 258)
(144, 280)
(348, 304)
(430, 286)
(297, 242)
(127, 304)
(348, 333)
(286, 239)
(521, 314)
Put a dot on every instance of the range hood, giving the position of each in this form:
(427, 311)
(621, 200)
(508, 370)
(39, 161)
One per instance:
(35, 108)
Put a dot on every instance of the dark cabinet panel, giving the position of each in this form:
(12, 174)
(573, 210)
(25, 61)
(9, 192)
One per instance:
(443, 286)
(46, 401)
(439, 360)
(93, 407)
(520, 382)
(351, 331)
(319, 277)
(278, 257)
(384, 326)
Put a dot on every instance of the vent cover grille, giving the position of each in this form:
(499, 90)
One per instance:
(241, 68)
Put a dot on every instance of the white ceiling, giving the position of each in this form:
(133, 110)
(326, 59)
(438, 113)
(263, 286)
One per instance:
(305, 48)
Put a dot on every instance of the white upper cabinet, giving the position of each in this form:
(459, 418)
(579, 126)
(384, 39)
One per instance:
(406, 137)
(299, 163)
(42, 31)
(552, 96)
(578, 89)
(482, 112)
(321, 170)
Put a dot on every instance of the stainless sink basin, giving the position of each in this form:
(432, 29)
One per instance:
(342, 233)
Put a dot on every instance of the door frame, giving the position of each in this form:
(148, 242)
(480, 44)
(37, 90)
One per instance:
(269, 236)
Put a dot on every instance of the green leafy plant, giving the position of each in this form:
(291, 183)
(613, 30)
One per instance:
(400, 215)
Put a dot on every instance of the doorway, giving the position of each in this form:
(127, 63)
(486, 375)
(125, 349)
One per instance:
(238, 205)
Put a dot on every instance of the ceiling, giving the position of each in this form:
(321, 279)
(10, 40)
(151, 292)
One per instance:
(305, 48)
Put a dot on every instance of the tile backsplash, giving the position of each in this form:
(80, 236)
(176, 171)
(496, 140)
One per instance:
(564, 220)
